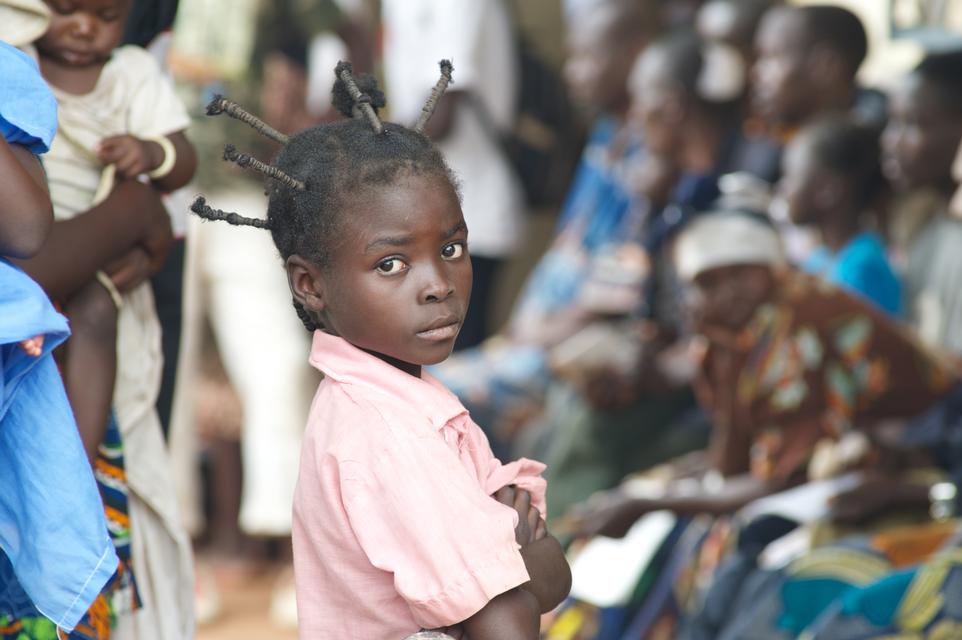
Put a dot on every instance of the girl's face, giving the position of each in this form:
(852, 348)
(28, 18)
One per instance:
(921, 137)
(399, 275)
(804, 186)
(83, 32)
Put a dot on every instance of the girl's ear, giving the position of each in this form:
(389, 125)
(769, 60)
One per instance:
(306, 280)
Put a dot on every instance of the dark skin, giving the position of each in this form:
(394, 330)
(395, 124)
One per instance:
(817, 196)
(27, 212)
(397, 285)
(921, 138)
(792, 79)
(723, 301)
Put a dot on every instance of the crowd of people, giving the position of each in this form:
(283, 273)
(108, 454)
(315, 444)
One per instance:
(740, 353)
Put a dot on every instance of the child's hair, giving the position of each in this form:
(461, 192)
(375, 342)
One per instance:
(318, 170)
(837, 28)
(842, 145)
(943, 72)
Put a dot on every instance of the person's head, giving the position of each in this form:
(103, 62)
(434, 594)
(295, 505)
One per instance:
(806, 61)
(831, 168)
(83, 32)
(925, 124)
(725, 259)
(733, 22)
(369, 224)
(603, 42)
(679, 82)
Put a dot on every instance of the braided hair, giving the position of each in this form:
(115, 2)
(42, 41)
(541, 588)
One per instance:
(318, 170)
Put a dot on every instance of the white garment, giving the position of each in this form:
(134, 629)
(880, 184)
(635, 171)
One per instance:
(235, 275)
(127, 98)
(476, 35)
(132, 96)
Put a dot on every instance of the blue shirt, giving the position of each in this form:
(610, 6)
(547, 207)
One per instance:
(862, 267)
(57, 554)
(28, 110)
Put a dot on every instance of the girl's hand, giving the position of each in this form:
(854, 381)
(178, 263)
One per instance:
(33, 347)
(531, 526)
(132, 156)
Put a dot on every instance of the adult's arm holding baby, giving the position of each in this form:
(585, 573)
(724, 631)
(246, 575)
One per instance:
(24, 204)
(76, 249)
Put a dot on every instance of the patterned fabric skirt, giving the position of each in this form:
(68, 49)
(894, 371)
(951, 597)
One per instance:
(20, 620)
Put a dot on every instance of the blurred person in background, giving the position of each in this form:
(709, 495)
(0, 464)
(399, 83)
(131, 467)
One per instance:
(832, 183)
(919, 144)
(503, 380)
(479, 39)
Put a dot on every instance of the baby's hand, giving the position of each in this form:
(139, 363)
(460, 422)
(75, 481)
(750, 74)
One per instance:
(531, 526)
(132, 156)
(33, 346)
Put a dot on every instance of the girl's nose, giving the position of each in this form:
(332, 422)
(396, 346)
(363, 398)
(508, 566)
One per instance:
(437, 287)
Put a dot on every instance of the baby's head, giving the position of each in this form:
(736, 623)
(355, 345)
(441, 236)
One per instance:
(831, 168)
(368, 220)
(83, 33)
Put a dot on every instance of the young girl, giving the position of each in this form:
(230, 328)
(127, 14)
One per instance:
(832, 179)
(120, 120)
(403, 518)
(49, 575)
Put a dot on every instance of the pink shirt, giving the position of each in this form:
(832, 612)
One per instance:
(394, 526)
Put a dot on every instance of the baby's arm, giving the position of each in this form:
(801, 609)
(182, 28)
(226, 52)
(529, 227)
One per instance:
(135, 156)
(26, 213)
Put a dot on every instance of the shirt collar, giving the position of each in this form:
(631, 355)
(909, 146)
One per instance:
(341, 361)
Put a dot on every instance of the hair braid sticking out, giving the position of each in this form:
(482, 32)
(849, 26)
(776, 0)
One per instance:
(362, 100)
(206, 212)
(328, 166)
(428, 110)
(247, 161)
(220, 105)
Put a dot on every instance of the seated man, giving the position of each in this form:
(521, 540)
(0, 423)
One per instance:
(787, 364)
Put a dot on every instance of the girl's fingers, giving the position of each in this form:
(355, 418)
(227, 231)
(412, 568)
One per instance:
(533, 517)
(541, 529)
(505, 495)
(522, 501)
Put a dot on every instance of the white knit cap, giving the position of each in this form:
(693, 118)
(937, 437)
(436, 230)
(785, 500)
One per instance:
(725, 238)
(23, 21)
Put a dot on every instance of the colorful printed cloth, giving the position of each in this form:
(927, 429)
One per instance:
(811, 364)
(20, 619)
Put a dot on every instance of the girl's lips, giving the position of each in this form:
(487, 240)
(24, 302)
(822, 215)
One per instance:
(442, 333)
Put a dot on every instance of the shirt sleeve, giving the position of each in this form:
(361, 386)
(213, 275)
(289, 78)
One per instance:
(28, 109)
(420, 515)
(155, 109)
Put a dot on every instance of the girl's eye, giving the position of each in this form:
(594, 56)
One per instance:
(453, 251)
(391, 266)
